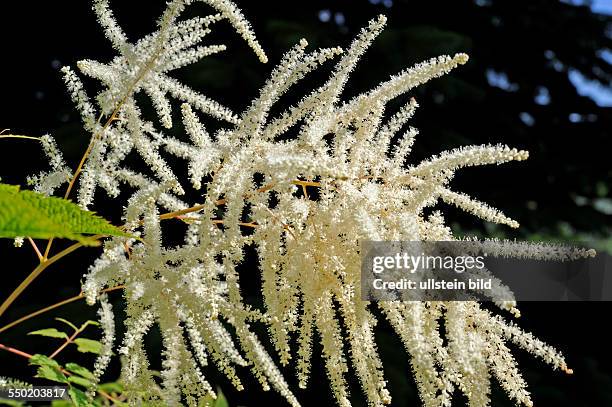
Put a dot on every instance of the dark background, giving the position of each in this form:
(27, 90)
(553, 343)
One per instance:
(538, 78)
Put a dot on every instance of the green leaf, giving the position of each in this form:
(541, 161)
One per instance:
(42, 360)
(80, 381)
(50, 332)
(79, 398)
(51, 373)
(80, 370)
(85, 345)
(48, 369)
(112, 387)
(61, 403)
(221, 400)
(27, 213)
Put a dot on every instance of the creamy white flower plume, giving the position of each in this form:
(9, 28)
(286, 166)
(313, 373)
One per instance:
(302, 188)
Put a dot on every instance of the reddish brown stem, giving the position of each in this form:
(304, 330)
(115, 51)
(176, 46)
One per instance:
(15, 351)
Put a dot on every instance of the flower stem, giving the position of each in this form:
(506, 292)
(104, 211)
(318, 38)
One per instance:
(67, 342)
(19, 137)
(15, 351)
(38, 253)
(35, 273)
(54, 306)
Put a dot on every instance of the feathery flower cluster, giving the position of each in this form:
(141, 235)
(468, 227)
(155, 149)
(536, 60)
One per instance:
(107, 322)
(303, 202)
(47, 182)
(7, 383)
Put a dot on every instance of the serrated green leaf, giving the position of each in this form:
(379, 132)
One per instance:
(27, 213)
(79, 370)
(42, 360)
(78, 397)
(50, 332)
(85, 345)
(80, 381)
(50, 373)
(48, 369)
